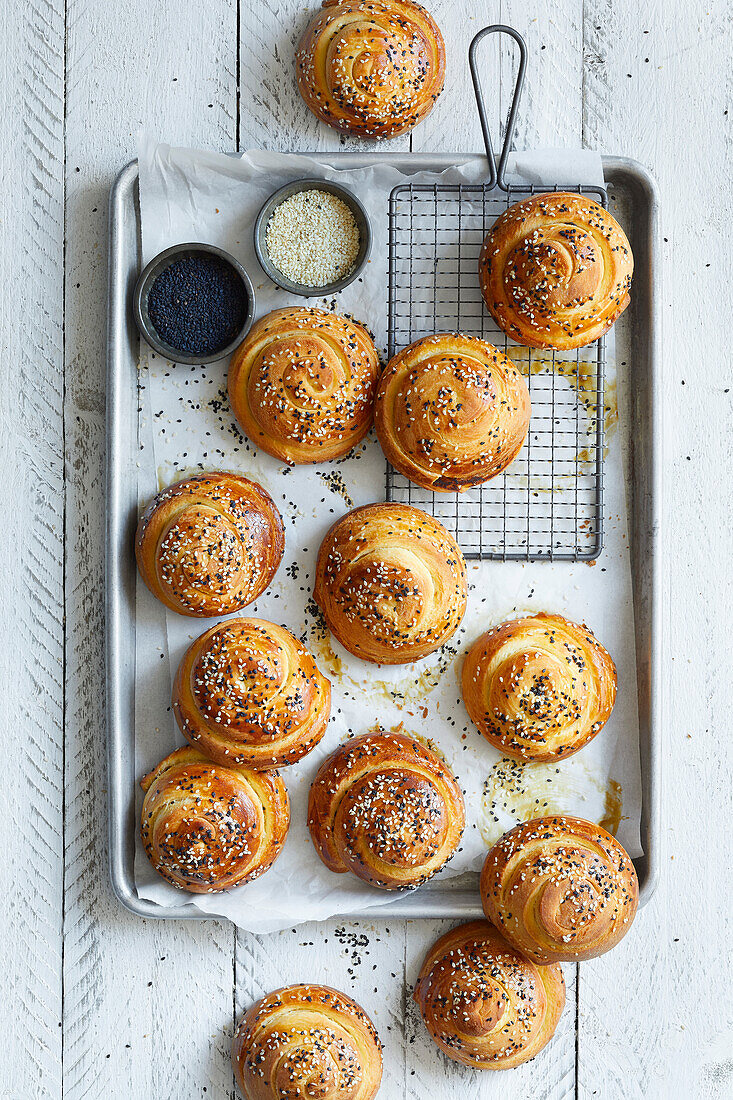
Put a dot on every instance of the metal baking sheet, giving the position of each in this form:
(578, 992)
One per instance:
(638, 343)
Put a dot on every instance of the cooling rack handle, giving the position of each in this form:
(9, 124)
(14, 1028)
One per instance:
(496, 175)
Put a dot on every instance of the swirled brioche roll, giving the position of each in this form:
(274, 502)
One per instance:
(540, 687)
(451, 412)
(206, 827)
(483, 1002)
(307, 1042)
(371, 67)
(391, 582)
(387, 808)
(210, 544)
(302, 384)
(247, 692)
(555, 271)
(560, 889)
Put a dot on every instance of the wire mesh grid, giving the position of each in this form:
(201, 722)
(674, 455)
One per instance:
(549, 503)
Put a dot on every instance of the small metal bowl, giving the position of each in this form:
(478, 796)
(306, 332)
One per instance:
(147, 278)
(360, 217)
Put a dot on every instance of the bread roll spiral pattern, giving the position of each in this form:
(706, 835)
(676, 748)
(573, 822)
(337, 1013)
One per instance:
(555, 271)
(560, 889)
(391, 583)
(302, 384)
(206, 827)
(247, 692)
(307, 1042)
(371, 67)
(387, 808)
(210, 544)
(539, 688)
(484, 1003)
(451, 412)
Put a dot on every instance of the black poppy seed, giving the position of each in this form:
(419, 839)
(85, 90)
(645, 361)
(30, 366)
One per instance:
(197, 305)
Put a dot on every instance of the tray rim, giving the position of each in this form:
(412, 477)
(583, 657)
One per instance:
(431, 901)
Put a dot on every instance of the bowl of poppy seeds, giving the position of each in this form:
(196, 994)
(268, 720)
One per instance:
(194, 303)
(312, 237)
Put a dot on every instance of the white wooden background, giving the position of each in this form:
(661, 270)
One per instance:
(99, 1004)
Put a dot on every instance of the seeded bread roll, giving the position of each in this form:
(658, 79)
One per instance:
(539, 688)
(560, 889)
(387, 808)
(302, 384)
(555, 271)
(247, 692)
(451, 412)
(206, 827)
(484, 1004)
(210, 544)
(391, 583)
(307, 1042)
(371, 67)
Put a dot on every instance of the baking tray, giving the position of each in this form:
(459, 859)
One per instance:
(638, 341)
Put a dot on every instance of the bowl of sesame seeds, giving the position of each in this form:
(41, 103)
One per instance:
(312, 237)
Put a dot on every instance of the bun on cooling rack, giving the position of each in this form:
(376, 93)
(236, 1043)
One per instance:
(302, 384)
(210, 544)
(540, 687)
(451, 412)
(371, 67)
(555, 271)
(483, 1002)
(560, 889)
(247, 692)
(391, 582)
(307, 1042)
(387, 808)
(206, 827)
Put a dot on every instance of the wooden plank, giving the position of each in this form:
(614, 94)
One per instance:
(31, 579)
(554, 76)
(146, 1005)
(551, 108)
(649, 77)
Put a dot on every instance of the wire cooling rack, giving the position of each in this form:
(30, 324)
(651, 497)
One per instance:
(549, 503)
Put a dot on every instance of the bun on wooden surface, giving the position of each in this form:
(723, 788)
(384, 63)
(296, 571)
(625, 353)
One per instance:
(485, 1004)
(307, 1042)
(373, 68)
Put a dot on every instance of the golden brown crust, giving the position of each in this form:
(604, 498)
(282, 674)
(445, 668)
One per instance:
(387, 808)
(307, 1041)
(451, 412)
(391, 583)
(371, 67)
(302, 384)
(247, 692)
(555, 271)
(210, 544)
(560, 889)
(540, 687)
(484, 1003)
(206, 827)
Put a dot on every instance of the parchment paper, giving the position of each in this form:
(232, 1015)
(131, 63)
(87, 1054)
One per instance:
(186, 426)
